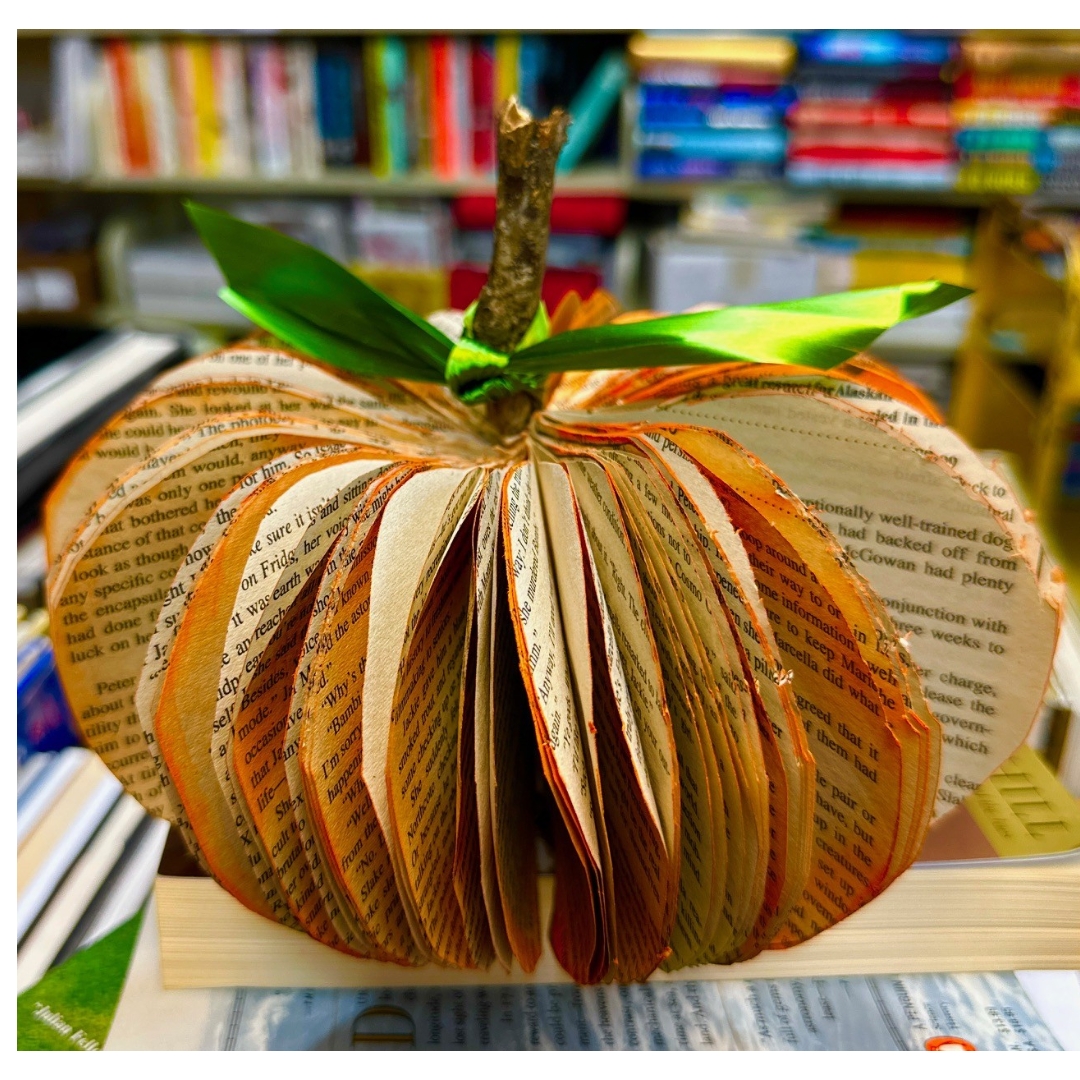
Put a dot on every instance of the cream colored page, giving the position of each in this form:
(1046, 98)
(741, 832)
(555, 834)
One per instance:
(937, 438)
(702, 856)
(418, 523)
(259, 723)
(941, 560)
(715, 670)
(162, 414)
(151, 677)
(562, 520)
(483, 583)
(536, 610)
(386, 398)
(331, 755)
(652, 749)
(309, 846)
(422, 759)
(187, 449)
(296, 532)
(730, 565)
(107, 594)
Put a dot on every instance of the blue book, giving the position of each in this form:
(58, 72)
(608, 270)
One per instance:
(333, 89)
(690, 117)
(592, 105)
(767, 145)
(395, 78)
(1015, 139)
(874, 47)
(665, 165)
(704, 97)
(531, 58)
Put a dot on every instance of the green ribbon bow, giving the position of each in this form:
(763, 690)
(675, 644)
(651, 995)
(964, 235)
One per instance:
(319, 308)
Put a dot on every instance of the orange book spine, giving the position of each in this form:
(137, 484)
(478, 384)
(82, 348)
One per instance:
(134, 140)
(442, 103)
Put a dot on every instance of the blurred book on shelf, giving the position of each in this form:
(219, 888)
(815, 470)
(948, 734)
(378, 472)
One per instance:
(219, 106)
(872, 111)
(1017, 114)
(711, 107)
(64, 403)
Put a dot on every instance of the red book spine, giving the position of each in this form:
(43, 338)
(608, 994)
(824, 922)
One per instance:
(134, 141)
(876, 154)
(466, 281)
(483, 105)
(593, 215)
(441, 107)
(922, 114)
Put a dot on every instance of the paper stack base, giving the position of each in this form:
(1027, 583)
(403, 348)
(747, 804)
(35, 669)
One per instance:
(990, 916)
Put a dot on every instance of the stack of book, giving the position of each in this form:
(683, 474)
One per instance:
(1017, 109)
(224, 107)
(711, 107)
(873, 111)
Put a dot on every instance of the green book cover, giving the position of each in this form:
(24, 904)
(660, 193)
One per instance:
(72, 1007)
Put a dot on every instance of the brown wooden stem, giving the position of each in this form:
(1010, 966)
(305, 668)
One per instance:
(528, 150)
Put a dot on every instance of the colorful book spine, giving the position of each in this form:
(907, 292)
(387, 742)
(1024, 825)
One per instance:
(359, 109)
(531, 60)
(127, 102)
(665, 165)
(461, 104)
(269, 95)
(230, 92)
(333, 80)
(734, 145)
(307, 152)
(395, 77)
(207, 134)
(874, 47)
(182, 79)
(375, 92)
(152, 64)
(419, 106)
(483, 105)
(507, 66)
(443, 125)
(592, 105)
(923, 114)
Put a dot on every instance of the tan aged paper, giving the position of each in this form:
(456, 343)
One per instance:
(170, 615)
(109, 584)
(288, 551)
(486, 532)
(419, 522)
(943, 561)
(356, 890)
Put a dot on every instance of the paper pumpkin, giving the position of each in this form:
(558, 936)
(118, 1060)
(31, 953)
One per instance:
(717, 636)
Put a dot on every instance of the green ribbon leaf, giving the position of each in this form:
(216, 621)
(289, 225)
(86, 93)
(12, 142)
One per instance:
(318, 307)
(819, 332)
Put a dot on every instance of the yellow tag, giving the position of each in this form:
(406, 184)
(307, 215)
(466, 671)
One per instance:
(1024, 809)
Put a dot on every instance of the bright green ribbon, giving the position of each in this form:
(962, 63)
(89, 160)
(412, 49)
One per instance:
(319, 308)
(478, 373)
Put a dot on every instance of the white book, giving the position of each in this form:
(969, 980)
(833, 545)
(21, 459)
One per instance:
(269, 92)
(125, 895)
(152, 65)
(73, 107)
(126, 358)
(63, 851)
(303, 129)
(230, 88)
(107, 135)
(47, 787)
(88, 873)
